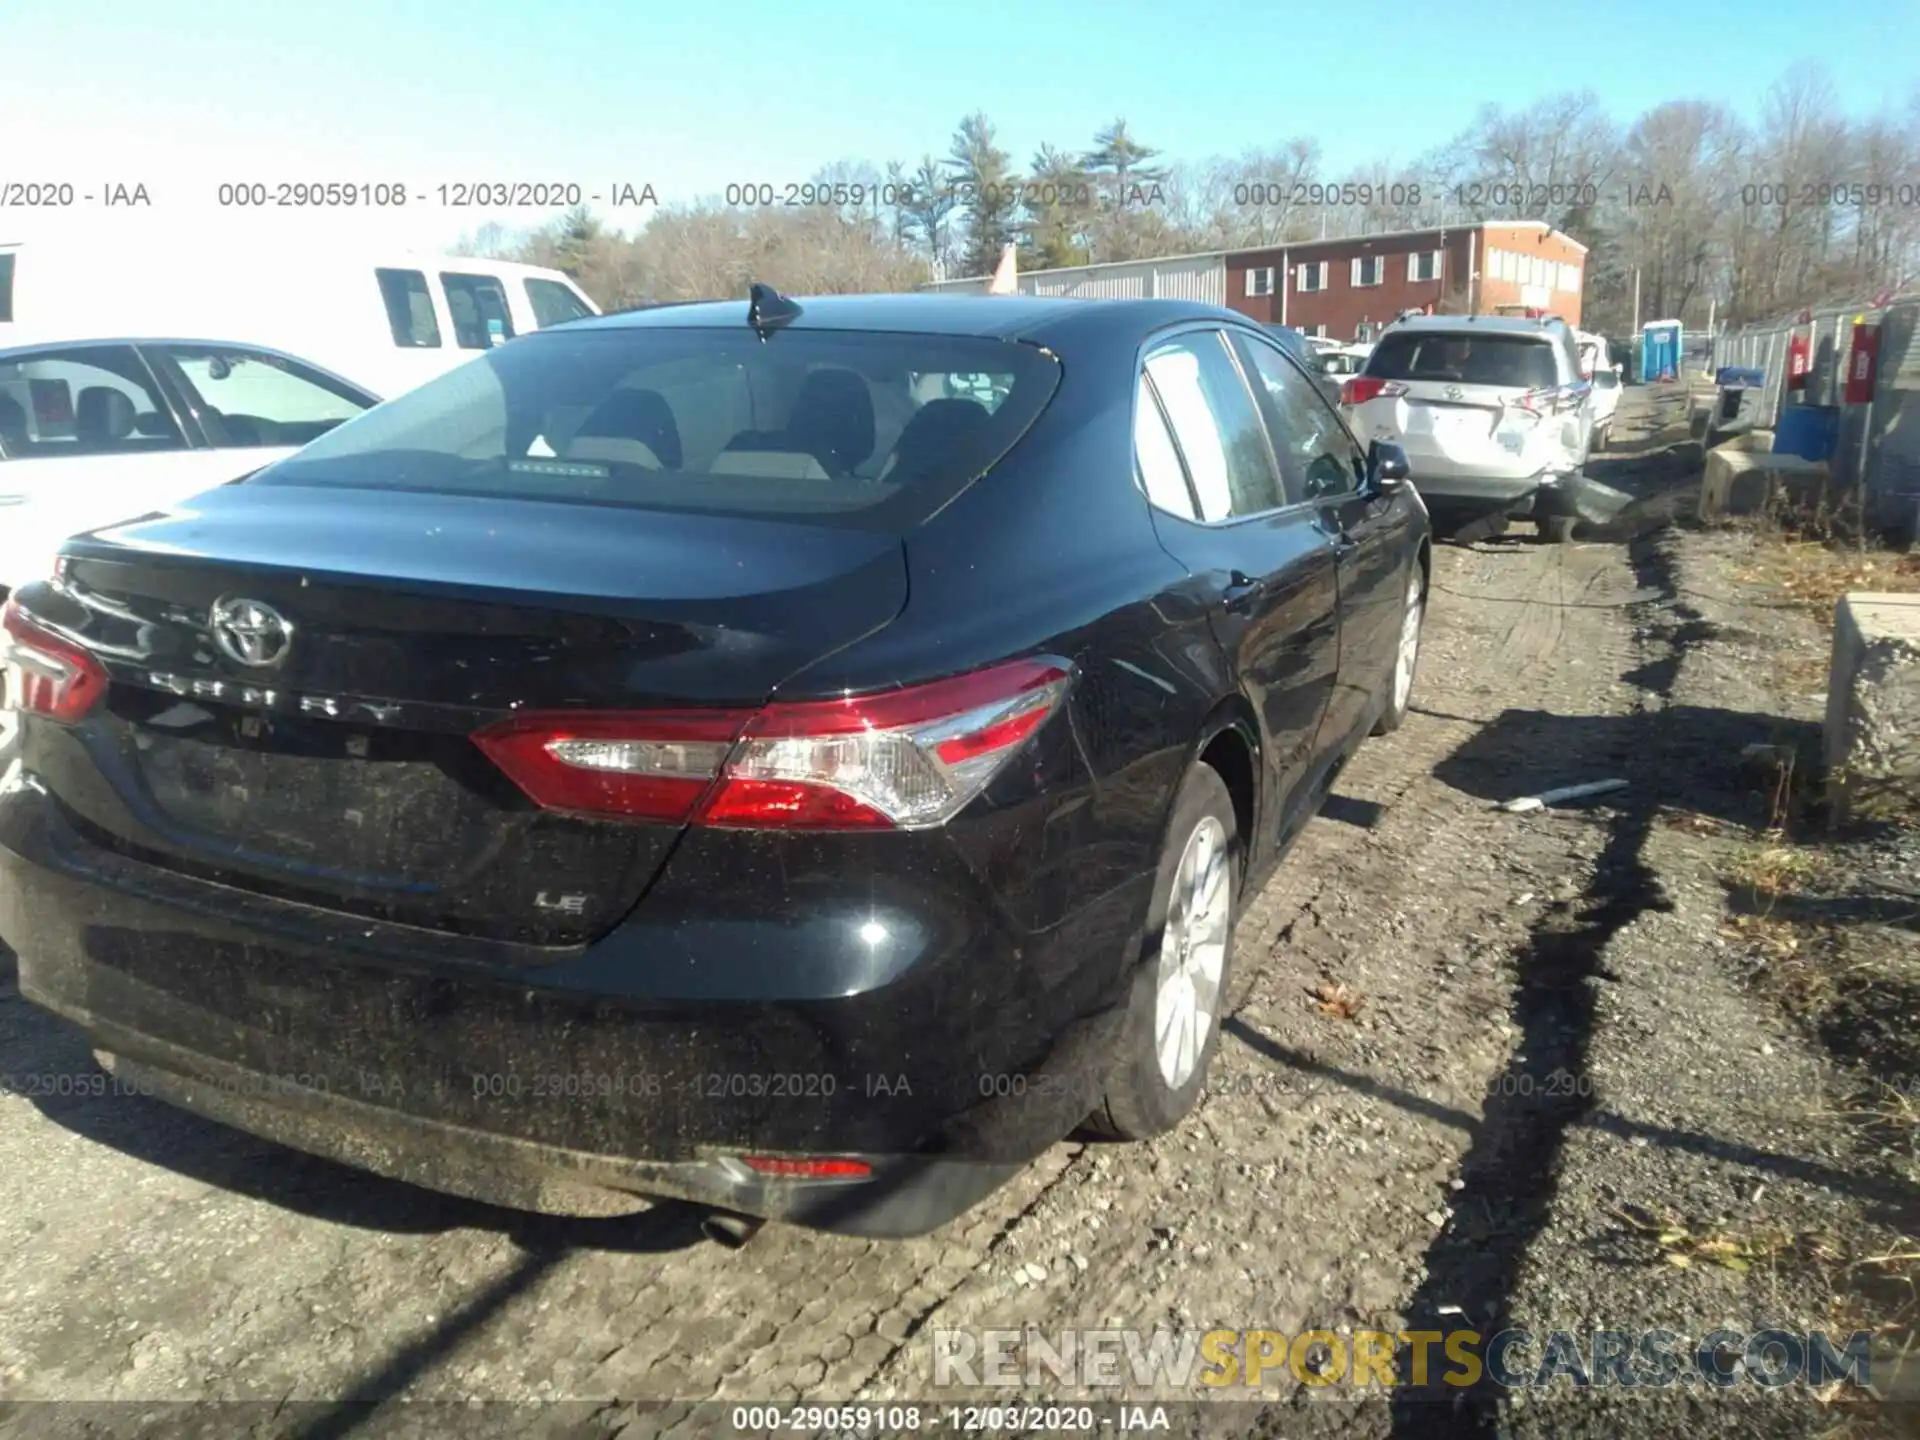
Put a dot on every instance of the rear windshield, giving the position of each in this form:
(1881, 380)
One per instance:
(1512, 362)
(810, 423)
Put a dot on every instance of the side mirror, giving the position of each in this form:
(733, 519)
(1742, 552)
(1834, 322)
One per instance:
(1387, 467)
(1618, 368)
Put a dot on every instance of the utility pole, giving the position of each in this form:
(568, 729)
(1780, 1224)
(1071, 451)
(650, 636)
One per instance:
(1636, 299)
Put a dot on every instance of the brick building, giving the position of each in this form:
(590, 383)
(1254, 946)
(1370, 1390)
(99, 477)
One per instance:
(1348, 288)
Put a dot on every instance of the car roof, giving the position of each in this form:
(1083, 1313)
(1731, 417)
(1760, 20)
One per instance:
(1026, 317)
(1476, 325)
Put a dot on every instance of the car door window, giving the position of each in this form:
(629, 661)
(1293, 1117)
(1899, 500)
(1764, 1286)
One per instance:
(247, 398)
(409, 309)
(478, 305)
(93, 400)
(1318, 459)
(554, 304)
(1215, 425)
(1155, 459)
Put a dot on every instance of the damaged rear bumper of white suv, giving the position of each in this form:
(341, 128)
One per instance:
(1547, 494)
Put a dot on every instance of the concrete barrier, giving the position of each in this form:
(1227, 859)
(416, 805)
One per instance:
(1873, 700)
(1739, 480)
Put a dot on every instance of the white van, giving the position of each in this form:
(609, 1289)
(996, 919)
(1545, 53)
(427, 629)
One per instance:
(386, 321)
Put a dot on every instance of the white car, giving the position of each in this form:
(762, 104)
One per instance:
(97, 431)
(1493, 413)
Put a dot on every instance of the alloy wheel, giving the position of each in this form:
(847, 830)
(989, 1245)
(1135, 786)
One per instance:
(1193, 953)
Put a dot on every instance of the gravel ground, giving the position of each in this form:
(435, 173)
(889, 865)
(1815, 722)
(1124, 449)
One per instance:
(1554, 1047)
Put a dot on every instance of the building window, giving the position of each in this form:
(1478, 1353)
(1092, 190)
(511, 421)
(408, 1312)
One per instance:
(1423, 265)
(1570, 279)
(1318, 332)
(1310, 276)
(1260, 281)
(1369, 270)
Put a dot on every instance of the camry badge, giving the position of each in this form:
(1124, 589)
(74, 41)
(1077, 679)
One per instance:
(249, 632)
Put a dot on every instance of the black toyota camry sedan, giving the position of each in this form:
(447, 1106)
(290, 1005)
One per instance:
(801, 757)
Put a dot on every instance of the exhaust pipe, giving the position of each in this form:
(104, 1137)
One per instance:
(732, 1231)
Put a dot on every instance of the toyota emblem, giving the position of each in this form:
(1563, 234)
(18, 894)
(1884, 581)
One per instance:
(250, 633)
(1454, 392)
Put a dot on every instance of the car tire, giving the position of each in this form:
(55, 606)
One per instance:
(1406, 655)
(1557, 529)
(1600, 438)
(1153, 1085)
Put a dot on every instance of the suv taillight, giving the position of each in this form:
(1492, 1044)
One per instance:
(905, 759)
(45, 674)
(1553, 399)
(1362, 388)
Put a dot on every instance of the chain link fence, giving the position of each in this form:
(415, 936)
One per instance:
(1877, 444)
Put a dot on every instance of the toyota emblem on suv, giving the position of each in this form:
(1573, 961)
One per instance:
(249, 632)
(1454, 392)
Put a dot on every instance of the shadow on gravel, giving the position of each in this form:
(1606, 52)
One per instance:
(1523, 752)
(1510, 1169)
(1304, 1064)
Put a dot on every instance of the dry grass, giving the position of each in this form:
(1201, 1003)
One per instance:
(1815, 573)
(1773, 866)
(1684, 1244)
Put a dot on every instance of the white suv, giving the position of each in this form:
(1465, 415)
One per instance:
(1493, 412)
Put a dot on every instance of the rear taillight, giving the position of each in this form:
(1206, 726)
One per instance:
(655, 766)
(1362, 388)
(1551, 400)
(45, 674)
(807, 1167)
(905, 759)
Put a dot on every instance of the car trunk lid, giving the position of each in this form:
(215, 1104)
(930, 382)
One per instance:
(332, 761)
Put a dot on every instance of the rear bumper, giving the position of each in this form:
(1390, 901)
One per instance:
(1537, 496)
(569, 1087)
(904, 1195)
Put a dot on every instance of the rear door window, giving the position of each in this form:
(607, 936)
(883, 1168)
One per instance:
(478, 306)
(1218, 430)
(247, 398)
(1156, 460)
(554, 304)
(409, 309)
(94, 400)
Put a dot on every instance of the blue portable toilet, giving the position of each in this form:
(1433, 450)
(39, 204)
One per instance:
(1660, 350)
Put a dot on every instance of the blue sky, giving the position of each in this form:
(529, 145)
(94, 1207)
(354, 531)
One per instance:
(691, 97)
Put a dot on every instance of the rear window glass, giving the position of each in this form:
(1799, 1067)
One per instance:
(6, 287)
(409, 309)
(478, 305)
(1508, 361)
(864, 427)
(554, 304)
